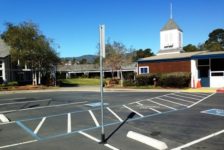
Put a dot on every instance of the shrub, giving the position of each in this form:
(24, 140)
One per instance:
(129, 83)
(114, 81)
(178, 80)
(13, 83)
(147, 79)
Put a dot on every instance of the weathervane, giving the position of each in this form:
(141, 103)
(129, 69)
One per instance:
(171, 11)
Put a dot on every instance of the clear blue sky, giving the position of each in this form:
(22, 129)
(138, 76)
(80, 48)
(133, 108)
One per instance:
(73, 24)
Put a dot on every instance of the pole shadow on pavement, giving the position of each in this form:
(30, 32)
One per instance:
(130, 116)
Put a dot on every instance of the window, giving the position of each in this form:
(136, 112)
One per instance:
(143, 70)
(217, 65)
(203, 62)
(0, 73)
(218, 74)
(0, 64)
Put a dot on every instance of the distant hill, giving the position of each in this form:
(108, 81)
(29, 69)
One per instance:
(90, 58)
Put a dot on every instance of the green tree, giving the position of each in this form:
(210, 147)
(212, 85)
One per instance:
(143, 53)
(74, 60)
(190, 48)
(30, 48)
(116, 56)
(215, 41)
(83, 61)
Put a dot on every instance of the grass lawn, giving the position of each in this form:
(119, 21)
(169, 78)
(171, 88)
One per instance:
(81, 81)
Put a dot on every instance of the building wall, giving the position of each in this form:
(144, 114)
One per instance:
(172, 38)
(5, 68)
(194, 73)
(167, 67)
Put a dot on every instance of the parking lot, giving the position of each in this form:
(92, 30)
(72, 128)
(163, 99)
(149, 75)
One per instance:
(72, 120)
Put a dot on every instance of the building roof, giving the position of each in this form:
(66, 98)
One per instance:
(207, 54)
(181, 56)
(80, 68)
(170, 25)
(169, 56)
(4, 49)
(167, 51)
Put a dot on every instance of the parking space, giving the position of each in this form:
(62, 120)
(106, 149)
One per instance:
(51, 119)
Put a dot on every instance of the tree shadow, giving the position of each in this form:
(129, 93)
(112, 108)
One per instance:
(68, 85)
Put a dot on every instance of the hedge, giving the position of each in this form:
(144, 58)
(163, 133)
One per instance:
(176, 80)
(142, 80)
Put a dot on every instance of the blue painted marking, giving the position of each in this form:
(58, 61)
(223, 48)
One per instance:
(109, 124)
(72, 112)
(97, 104)
(217, 112)
(27, 130)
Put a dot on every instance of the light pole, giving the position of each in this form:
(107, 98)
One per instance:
(102, 55)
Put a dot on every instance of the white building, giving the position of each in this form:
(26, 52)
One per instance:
(4, 61)
(171, 38)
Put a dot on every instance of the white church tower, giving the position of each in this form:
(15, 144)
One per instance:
(171, 38)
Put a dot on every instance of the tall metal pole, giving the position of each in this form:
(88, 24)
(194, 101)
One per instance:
(102, 54)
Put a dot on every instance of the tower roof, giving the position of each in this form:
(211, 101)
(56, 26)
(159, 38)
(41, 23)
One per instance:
(170, 25)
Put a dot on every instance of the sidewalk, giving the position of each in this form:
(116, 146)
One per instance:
(202, 90)
(97, 89)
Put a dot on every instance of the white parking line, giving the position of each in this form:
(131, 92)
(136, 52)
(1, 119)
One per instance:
(161, 104)
(7, 123)
(69, 124)
(97, 140)
(41, 107)
(206, 94)
(94, 118)
(39, 125)
(191, 94)
(139, 103)
(198, 140)
(171, 102)
(25, 102)
(133, 111)
(175, 94)
(156, 110)
(200, 100)
(89, 136)
(115, 114)
(11, 99)
(150, 108)
(180, 99)
(17, 144)
(159, 145)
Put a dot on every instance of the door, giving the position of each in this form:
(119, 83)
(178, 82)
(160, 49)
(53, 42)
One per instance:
(203, 74)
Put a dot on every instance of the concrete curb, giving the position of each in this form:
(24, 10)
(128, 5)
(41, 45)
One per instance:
(147, 140)
(3, 118)
(89, 89)
(220, 90)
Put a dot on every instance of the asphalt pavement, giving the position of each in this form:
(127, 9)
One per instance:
(72, 120)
